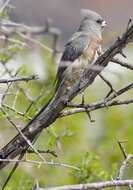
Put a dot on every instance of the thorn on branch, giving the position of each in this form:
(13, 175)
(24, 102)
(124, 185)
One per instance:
(89, 115)
(122, 148)
(109, 84)
(129, 23)
(105, 103)
(83, 100)
(123, 54)
(110, 92)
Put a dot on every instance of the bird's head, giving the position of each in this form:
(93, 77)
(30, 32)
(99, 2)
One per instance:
(91, 20)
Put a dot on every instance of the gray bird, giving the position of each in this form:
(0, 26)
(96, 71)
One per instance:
(80, 50)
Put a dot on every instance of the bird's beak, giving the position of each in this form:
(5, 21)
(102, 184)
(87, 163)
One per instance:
(104, 23)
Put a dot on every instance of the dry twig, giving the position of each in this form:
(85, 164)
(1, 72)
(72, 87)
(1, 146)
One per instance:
(16, 79)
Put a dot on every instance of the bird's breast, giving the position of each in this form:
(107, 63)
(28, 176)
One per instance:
(90, 50)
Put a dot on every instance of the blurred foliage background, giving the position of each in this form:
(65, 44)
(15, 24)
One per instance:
(92, 147)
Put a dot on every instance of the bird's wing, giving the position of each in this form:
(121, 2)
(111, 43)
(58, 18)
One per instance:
(73, 50)
(75, 46)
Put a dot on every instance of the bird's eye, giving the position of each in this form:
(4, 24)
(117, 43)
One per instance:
(99, 21)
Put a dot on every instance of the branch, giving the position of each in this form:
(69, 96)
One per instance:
(98, 185)
(50, 112)
(36, 162)
(24, 92)
(94, 107)
(53, 153)
(10, 27)
(122, 63)
(16, 79)
(22, 135)
(16, 111)
(109, 84)
(124, 166)
(107, 102)
(27, 32)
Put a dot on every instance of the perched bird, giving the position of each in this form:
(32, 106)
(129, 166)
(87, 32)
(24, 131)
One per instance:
(80, 50)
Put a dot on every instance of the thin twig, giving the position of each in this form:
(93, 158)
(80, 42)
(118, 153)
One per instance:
(120, 143)
(53, 153)
(12, 171)
(109, 84)
(122, 63)
(24, 92)
(107, 102)
(5, 4)
(22, 79)
(27, 32)
(124, 164)
(17, 112)
(36, 162)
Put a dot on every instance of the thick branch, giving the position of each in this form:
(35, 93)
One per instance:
(51, 112)
(98, 185)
